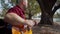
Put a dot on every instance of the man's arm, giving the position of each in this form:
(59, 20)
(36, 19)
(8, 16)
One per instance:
(16, 20)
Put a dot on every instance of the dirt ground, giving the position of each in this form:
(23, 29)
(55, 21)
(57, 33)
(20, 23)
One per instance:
(53, 29)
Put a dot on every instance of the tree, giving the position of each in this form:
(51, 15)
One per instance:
(47, 13)
(15, 1)
(6, 6)
(33, 8)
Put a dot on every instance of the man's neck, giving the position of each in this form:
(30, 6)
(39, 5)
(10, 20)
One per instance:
(21, 6)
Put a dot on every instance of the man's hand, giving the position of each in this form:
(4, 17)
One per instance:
(30, 23)
(36, 22)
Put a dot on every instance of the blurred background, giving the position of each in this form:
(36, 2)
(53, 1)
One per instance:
(32, 12)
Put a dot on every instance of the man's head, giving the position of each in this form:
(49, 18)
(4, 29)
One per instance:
(23, 2)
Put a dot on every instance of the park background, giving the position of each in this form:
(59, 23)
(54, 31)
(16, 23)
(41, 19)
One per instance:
(32, 12)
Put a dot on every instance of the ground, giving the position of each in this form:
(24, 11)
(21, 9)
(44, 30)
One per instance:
(52, 29)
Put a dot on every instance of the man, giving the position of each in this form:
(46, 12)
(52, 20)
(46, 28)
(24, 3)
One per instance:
(15, 17)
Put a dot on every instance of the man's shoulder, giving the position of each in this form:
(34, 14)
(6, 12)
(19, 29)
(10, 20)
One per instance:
(13, 8)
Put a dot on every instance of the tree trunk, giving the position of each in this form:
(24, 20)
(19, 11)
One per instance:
(30, 15)
(47, 13)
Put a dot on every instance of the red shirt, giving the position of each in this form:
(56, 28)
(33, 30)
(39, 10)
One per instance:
(16, 9)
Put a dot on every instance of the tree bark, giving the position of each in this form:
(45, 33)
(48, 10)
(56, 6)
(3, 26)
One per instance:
(47, 13)
(56, 7)
(30, 15)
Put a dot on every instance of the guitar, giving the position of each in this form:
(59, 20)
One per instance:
(16, 30)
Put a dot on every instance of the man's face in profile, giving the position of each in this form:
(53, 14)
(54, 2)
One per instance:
(25, 3)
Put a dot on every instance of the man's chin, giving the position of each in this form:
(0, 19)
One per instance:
(25, 8)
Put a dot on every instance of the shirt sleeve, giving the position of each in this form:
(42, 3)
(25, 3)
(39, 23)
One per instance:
(12, 11)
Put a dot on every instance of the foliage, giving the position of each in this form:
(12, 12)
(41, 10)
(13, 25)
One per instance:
(5, 6)
(33, 8)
